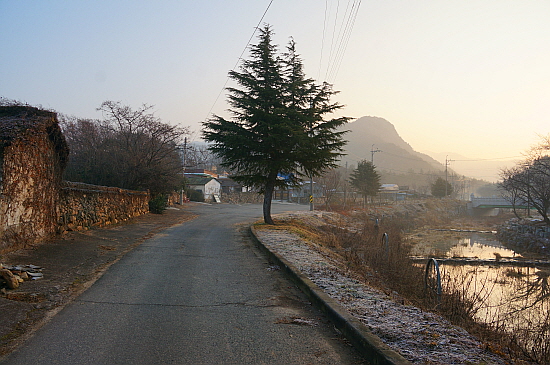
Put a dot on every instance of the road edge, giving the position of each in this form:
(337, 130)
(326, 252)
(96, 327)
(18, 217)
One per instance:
(368, 344)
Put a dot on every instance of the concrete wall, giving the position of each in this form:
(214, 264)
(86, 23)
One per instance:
(83, 205)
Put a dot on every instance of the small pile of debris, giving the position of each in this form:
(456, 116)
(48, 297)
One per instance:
(12, 276)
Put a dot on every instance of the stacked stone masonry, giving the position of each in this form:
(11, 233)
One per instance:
(82, 205)
(34, 201)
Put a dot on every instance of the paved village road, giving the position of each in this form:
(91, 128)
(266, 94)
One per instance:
(197, 293)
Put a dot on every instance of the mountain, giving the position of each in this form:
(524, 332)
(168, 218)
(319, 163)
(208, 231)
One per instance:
(397, 156)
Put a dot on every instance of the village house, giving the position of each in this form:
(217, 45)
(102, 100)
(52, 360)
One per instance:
(209, 186)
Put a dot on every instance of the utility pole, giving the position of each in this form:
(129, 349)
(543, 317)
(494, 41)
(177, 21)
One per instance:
(184, 162)
(372, 152)
(346, 185)
(311, 193)
(447, 161)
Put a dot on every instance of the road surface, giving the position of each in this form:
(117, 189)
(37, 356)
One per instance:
(197, 293)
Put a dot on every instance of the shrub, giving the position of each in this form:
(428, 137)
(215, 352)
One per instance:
(195, 195)
(158, 204)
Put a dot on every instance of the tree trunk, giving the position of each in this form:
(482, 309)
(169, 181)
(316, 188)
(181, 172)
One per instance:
(268, 196)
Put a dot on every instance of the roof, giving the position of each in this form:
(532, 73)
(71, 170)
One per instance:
(201, 172)
(21, 122)
(198, 180)
(389, 187)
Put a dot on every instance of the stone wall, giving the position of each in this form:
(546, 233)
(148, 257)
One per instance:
(34, 201)
(83, 205)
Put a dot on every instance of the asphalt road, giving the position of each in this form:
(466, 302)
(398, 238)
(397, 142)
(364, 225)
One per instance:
(196, 293)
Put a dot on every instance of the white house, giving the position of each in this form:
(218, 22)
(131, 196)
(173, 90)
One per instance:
(208, 185)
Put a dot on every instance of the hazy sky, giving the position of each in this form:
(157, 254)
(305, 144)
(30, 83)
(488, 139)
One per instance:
(467, 77)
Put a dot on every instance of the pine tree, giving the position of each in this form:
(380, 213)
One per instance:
(441, 188)
(365, 179)
(277, 127)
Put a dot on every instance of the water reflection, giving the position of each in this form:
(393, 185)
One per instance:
(450, 244)
(514, 299)
(481, 246)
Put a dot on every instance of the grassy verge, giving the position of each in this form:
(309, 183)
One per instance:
(385, 263)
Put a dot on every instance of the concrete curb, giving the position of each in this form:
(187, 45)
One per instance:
(369, 345)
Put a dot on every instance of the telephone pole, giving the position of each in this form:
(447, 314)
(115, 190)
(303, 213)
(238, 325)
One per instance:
(447, 161)
(372, 152)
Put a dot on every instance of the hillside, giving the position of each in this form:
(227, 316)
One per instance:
(397, 156)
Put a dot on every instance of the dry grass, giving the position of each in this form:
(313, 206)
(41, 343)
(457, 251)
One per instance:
(388, 267)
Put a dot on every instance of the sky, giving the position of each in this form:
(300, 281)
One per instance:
(470, 78)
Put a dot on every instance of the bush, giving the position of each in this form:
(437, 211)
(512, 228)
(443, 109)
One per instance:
(157, 205)
(195, 195)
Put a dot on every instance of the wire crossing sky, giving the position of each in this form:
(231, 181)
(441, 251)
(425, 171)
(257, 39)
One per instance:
(464, 77)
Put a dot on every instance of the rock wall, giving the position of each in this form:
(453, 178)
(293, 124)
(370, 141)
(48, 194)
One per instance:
(83, 205)
(34, 201)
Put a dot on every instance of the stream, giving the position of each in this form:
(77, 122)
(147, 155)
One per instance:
(515, 298)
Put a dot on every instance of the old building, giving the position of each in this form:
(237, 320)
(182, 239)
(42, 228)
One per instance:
(207, 185)
(33, 154)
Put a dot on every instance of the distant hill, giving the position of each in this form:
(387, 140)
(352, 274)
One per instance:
(397, 156)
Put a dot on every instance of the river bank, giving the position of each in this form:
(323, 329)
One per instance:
(501, 301)
(418, 335)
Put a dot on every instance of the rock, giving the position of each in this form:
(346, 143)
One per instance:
(10, 279)
(35, 275)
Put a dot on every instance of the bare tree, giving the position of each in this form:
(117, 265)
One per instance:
(131, 149)
(332, 181)
(529, 181)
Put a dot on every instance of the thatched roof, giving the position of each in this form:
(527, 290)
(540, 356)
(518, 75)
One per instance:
(22, 122)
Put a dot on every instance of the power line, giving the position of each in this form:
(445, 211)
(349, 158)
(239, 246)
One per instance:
(240, 57)
(340, 42)
(344, 37)
(490, 159)
(323, 40)
(333, 32)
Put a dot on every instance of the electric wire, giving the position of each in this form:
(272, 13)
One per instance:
(239, 59)
(323, 40)
(347, 38)
(344, 36)
(333, 32)
(341, 40)
(335, 50)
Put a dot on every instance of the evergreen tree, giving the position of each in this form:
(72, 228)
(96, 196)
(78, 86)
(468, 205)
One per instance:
(441, 188)
(365, 179)
(277, 127)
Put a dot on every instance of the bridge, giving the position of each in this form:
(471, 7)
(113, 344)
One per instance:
(493, 202)
(486, 206)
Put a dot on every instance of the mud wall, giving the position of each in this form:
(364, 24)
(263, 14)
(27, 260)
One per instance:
(31, 178)
(34, 201)
(83, 205)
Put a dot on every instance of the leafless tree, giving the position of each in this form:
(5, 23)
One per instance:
(129, 148)
(529, 181)
(332, 181)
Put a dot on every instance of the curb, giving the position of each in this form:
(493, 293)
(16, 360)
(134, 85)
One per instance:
(369, 345)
